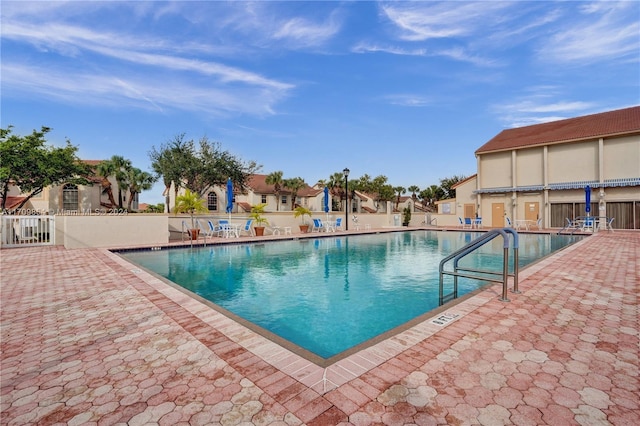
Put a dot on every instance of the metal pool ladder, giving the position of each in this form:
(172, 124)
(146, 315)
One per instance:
(474, 273)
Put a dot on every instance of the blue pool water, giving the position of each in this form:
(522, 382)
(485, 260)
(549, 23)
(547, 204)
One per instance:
(327, 295)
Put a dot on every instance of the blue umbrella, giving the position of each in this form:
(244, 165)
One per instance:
(326, 199)
(229, 196)
(587, 194)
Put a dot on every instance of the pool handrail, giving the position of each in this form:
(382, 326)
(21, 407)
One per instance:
(472, 246)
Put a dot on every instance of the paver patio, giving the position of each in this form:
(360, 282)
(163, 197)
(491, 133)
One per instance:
(90, 339)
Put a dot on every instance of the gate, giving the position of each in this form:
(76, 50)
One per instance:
(24, 231)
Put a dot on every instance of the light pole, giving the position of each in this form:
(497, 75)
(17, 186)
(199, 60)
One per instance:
(346, 198)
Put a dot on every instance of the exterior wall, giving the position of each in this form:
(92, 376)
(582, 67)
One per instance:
(529, 167)
(494, 170)
(573, 162)
(136, 230)
(621, 158)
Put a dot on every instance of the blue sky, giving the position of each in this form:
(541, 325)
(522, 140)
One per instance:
(402, 89)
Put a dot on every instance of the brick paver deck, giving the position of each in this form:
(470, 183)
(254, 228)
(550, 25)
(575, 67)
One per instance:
(90, 339)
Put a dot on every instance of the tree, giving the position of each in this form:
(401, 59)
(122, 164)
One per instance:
(104, 170)
(430, 195)
(447, 183)
(295, 185)
(121, 168)
(138, 181)
(32, 166)
(399, 190)
(275, 179)
(171, 161)
(336, 186)
(198, 168)
(413, 189)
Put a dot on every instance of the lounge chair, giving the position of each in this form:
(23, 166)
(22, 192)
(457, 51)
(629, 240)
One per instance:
(588, 224)
(213, 230)
(538, 224)
(247, 228)
(609, 224)
(317, 225)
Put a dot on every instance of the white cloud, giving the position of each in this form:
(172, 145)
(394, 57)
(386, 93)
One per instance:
(540, 107)
(604, 31)
(408, 100)
(301, 32)
(418, 21)
(139, 91)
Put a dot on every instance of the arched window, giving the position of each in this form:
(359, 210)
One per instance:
(212, 201)
(70, 197)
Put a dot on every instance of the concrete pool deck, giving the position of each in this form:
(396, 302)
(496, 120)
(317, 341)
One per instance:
(89, 339)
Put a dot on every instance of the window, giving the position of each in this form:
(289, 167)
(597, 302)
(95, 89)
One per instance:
(263, 200)
(70, 197)
(283, 200)
(212, 201)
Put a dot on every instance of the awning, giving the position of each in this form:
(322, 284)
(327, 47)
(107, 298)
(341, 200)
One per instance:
(509, 189)
(581, 184)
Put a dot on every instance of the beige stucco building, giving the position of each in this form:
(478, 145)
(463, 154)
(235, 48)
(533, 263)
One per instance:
(541, 171)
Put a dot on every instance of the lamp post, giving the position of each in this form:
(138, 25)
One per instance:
(346, 198)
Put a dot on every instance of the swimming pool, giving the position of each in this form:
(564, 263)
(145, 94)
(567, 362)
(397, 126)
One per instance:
(327, 295)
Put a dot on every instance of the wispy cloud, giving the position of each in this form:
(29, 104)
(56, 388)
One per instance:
(540, 106)
(134, 70)
(146, 91)
(364, 47)
(603, 30)
(408, 100)
(419, 21)
(301, 32)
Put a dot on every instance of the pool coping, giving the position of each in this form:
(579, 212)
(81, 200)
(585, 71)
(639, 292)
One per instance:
(356, 361)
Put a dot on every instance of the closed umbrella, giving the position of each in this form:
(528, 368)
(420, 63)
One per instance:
(326, 202)
(229, 197)
(587, 195)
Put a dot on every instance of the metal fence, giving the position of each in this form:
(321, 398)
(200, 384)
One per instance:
(23, 231)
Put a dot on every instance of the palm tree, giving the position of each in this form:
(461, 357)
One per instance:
(399, 190)
(413, 189)
(121, 166)
(275, 179)
(138, 181)
(104, 170)
(336, 185)
(294, 184)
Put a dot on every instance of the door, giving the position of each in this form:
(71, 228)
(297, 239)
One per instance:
(532, 211)
(497, 215)
(470, 210)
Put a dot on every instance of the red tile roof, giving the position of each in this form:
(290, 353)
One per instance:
(12, 201)
(605, 124)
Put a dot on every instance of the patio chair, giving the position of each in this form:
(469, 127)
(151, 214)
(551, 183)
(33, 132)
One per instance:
(247, 228)
(588, 224)
(538, 224)
(609, 226)
(338, 224)
(317, 225)
(213, 230)
(227, 229)
(468, 223)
